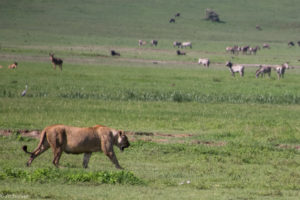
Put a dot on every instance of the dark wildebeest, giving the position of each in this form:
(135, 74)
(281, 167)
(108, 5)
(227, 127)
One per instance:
(291, 44)
(172, 20)
(177, 14)
(114, 53)
(56, 61)
(245, 49)
(258, 27)
(180, 52)
(154, 42)
(178, 44)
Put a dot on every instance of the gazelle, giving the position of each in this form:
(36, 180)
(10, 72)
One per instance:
(56, 61)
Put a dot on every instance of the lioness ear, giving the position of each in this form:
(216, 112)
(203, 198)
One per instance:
(120, 133)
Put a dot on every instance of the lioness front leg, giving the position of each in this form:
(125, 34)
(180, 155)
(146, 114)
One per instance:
(113, 159)
(86, 158)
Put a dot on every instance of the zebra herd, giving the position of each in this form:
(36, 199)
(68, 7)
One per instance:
(261, 71)
(244, 49)
(280, 69)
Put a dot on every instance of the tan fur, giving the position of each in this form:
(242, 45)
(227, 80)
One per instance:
(76, 140)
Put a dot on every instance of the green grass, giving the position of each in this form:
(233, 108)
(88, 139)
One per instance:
(223, 137)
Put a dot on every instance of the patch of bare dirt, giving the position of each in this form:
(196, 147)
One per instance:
(286, 146)
(209, 143)
(25, 133)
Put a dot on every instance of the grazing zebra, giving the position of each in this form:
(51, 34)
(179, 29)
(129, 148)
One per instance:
(141, 42)
(204, 61)
(235, 69)
(186, 44)
(230, 49)
(56, 61)
(253, 50)
(281, 70)
(266, 46)
(263, 70)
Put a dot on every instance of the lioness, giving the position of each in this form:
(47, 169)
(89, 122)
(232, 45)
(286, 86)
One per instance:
(75, 140)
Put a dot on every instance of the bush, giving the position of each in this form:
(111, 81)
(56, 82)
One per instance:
(71, 176)
(212, 15)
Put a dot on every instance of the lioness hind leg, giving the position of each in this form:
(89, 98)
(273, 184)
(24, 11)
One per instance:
(86, 158)
(38, 152)
(113, 159)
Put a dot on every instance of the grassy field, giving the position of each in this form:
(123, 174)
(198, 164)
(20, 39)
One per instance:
(210, 135)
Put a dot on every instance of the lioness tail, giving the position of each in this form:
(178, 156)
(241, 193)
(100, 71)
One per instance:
(43, 137)
(25, 149)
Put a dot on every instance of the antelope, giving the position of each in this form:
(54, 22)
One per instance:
(13, 66)
(56, 61)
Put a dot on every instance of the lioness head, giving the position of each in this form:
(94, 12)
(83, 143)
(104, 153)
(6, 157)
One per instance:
(122, 141)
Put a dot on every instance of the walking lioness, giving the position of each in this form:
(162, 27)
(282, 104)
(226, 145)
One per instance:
(75, 140)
